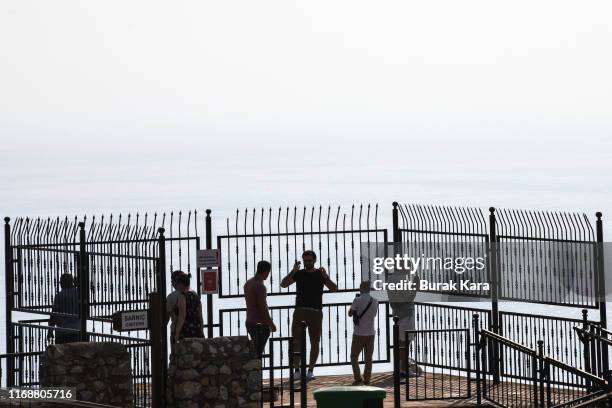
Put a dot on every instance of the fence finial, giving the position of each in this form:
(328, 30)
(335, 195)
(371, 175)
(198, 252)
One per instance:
(492, 209)
(161, 230)
(7, 220)
(598, 214)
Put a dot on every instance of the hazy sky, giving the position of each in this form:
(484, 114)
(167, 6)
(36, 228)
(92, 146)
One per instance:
(109, 104)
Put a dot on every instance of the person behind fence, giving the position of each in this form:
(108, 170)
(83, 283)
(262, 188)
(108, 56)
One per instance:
(65, 312)
(308, 305)
(363, 311)
(402, 306)
(187, 310)
(257, 311)
(171, 302)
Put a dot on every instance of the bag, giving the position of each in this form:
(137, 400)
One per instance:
(357, 317)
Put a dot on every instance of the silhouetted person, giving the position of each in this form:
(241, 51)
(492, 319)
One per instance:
(363, 311)
(65, 313)
(308, 305)
(255, 296)
(402, 306)
(171, 302)
(188, 309)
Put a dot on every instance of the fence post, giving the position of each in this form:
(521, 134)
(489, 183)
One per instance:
(585, 341)
(494, 271)
(291, 373)
(155, 335)
(83, 282)
(163, 334)
(602, 287)
(209, 297)
(271, 376)
(303, 388)
(475, 325)
(258, 331)
(396, 364)
(541, 370)
(548, 385)
(396, 231)
(9, 294)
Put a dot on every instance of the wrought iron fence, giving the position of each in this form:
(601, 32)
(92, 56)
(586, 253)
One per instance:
(530, 378)
(559, 338)
(445, 358)
(281, 236)
(117, 260)
(546, 257)
(335, 345)
(120, 267)
(442, 232)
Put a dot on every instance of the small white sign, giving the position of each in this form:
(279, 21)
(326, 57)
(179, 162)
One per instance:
(137, 320)
(208, 258)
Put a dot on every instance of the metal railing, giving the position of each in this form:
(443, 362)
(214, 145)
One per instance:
(438, 364)
(281, 236)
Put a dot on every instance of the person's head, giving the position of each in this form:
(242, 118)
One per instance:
(181, 280)
(309, 258)
(364, 287)
(263, 270)
(66, 281)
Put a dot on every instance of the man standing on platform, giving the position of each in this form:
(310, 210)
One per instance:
(308, 305)
(255, 296)
(363, 311)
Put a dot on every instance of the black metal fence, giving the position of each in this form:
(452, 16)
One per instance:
(445, 357)
(335, 345)
(281, 236)
(530, 378)
(117, 260)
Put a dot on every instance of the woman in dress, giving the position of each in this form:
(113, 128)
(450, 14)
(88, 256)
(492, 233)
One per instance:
(188, 309)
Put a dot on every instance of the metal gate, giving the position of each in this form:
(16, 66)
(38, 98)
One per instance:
(114, 265)
(280, 236)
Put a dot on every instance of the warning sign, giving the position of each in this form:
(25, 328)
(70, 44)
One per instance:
(131, 320)
(208, 258)
(209, 281)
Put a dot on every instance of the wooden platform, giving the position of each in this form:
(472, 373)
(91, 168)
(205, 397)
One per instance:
(443, 384)
(424, 388)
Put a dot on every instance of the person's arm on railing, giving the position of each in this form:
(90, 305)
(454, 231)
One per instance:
(289, 279)
(331, 285)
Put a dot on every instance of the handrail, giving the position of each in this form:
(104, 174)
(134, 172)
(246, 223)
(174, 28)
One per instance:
(575, 371)
(592, 334)
(26, 354)
(598, 327)
(586, 400)
(507, 342)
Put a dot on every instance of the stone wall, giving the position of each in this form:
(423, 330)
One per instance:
(100, 372)
(222, 372)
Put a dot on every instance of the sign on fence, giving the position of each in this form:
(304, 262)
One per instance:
(208, 258)
(131, 320)
(209, 281)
